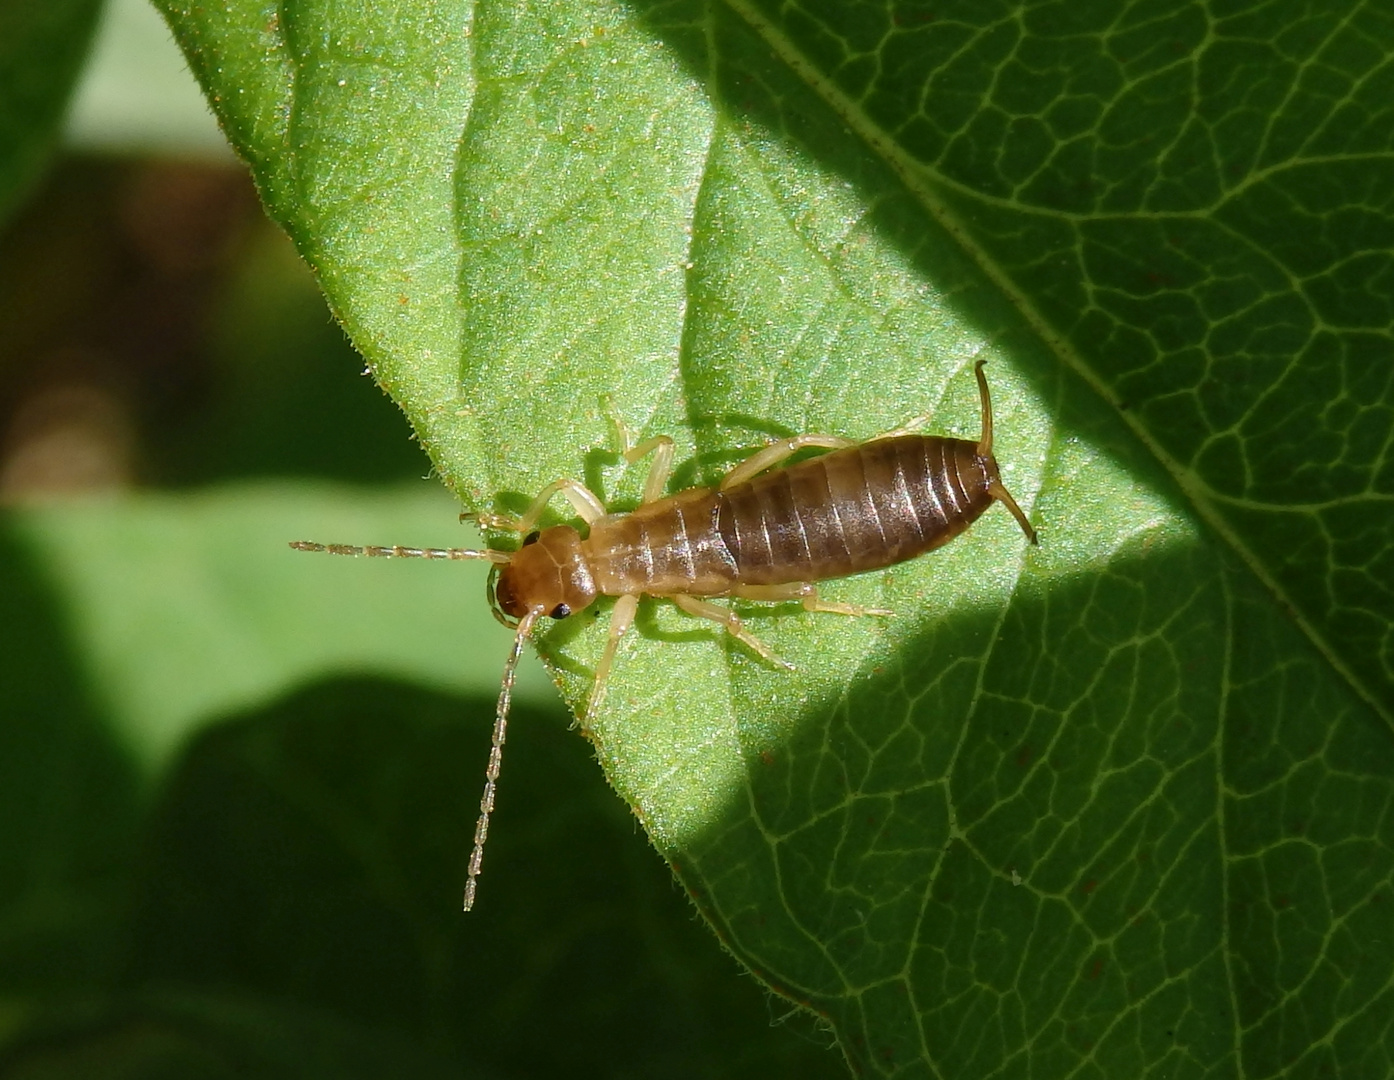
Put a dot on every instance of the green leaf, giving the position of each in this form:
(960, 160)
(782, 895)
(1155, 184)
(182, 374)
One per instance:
(1116, 806)
(42, 44)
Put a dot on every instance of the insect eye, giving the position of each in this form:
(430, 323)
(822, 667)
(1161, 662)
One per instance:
(531, 538)
(561, 611)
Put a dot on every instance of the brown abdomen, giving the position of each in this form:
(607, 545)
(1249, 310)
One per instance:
(852, 510)
(664, 547)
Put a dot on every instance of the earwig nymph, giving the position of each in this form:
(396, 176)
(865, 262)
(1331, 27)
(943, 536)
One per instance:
(758, 535)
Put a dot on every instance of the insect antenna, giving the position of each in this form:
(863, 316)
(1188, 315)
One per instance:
(510, 671)
(491, 773)
(397, 552)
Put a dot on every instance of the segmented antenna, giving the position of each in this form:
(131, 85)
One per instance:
(395, 552)
(491, 774)
(525, 624)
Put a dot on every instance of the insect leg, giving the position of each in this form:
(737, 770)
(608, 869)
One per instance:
(705, 609)
(621, 619)
(776, 452)
(807, 593)
(661, 447)
(581, 498)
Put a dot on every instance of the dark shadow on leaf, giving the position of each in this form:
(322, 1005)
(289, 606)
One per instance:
(646, 624)
(210, 1035)
(314, 853)
(1047, 819)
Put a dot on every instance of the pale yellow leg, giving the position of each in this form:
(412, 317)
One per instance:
(587, 506)
(806, 593)
(661, 447)
(779, 451)
(705, 609)
(910, 427)
(584, 501)
(621, 619)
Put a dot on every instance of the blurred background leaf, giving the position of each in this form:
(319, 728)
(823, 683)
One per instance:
(42, 47)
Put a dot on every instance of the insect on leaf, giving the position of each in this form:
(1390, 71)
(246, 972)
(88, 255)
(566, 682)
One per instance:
(1117, 803)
